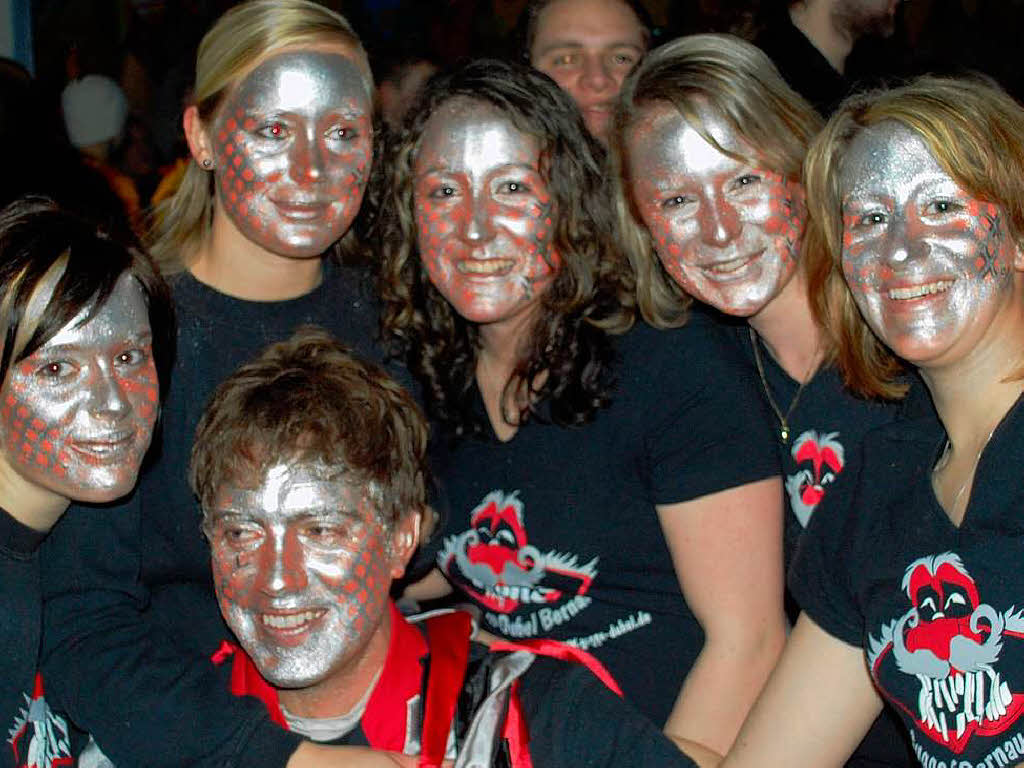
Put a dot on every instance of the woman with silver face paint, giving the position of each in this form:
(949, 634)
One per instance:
(281, 137)
(709, 148)
(86, 324)
(919, 195)
(610, 486)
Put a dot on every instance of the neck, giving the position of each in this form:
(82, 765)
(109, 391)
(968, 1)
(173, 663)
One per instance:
(815, 19)
(789, 330)
(972, 396)
(234, 265)
(339, 692)
(28, 503)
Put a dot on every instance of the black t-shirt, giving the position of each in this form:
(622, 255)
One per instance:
(130, 610)
(801, 65)
(555, 534)
(938, 609)
(27, 724)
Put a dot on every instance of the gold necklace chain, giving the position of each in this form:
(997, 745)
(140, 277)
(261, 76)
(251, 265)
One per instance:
(783, 418)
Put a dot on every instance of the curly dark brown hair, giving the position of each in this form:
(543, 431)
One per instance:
(568, 360)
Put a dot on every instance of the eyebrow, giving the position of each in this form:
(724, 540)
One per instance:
(557, 45)
(499, 169)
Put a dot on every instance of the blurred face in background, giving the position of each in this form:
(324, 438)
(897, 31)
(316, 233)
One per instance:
(588, 47)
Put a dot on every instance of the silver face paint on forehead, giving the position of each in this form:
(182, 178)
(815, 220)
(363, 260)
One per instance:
(483, 212)
(77, 415)
(302, 570)
(928, 264)
(726, 230)
(292, 148)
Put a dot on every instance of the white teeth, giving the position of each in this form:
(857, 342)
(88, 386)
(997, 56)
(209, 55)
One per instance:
(917, 291)
(291, 621)
(972, 697)
(725, 267)
(485, 266)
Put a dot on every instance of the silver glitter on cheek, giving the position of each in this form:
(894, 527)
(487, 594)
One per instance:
(727, 231)
(293, 148)
(77, 415)
(485, 219)
(301, 571)
(926, 262)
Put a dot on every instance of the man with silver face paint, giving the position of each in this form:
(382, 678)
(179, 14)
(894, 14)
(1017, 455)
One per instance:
(310, 466)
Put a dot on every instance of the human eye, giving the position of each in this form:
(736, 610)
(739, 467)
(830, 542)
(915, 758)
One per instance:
(342, 133)
(56, 370)
(326, 532)
(130, 358)
(675, 201)
(871, 219)
(746, 180)
(273, 129)
(623, 59)
(511, 187)
(441, 191)
(564, 60)
(942, 206)
(238, 534)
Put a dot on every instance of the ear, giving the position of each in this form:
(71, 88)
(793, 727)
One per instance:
(404, 540)
(198, 142)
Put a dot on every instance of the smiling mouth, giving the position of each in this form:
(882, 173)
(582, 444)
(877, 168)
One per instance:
(919, 291)
(290, 622)
(727, 269)
(107, 448)
(301, 211)
(485, 267)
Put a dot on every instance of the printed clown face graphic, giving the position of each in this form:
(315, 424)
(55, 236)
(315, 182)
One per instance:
(820, 460)
(505, 571)
(727, 231)
(292, 147)
(928, 264)
(940, 661)
(483, 213)
(78, 413)
(302, 565)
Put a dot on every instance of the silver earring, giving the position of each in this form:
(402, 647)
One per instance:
(207, 163)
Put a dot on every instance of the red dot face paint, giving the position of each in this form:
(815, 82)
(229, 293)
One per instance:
(928, 264)
(292, 151)
(301, 566)
(76, 416)
(727, 231)
(484, 218)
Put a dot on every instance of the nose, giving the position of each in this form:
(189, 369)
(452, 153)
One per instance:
(719, 222)
(307, 160)
(282, 566)
(905, 241)
(595, 75)
(107, 398)
(479, 227)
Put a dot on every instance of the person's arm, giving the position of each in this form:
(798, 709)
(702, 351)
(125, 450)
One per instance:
(815, 709)
(310, 755)
(727, 552)
(145, 700)
(431, 587)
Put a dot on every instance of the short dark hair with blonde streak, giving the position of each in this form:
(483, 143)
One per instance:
(737, 81)
(976, 133)
(309, 399)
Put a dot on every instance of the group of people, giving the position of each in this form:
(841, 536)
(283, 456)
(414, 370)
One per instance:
(619, 365)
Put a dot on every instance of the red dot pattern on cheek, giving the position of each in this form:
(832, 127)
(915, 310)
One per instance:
(994, 258)
(785, 221)
(363, 594)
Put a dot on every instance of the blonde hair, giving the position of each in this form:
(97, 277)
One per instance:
(236, 43)
(738, 82)
(976, 133)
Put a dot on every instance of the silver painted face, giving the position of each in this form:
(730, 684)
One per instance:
(77, 414)
(301, 566)
(928, 264)
(483, 212)
(727, 231)
(292, 151)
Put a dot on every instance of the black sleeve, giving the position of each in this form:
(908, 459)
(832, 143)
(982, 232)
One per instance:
(575, 721)
(708, 428)
(819, 577)
(159, 706)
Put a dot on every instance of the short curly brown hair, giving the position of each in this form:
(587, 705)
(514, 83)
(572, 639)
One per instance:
(310, 399)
